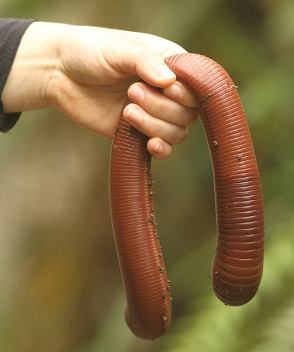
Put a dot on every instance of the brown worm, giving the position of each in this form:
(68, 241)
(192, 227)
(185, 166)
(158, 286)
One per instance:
(238, 262)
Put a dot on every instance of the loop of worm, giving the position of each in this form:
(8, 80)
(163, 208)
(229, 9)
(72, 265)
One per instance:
(238, 262)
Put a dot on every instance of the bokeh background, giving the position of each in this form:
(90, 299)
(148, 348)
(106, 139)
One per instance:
(60, 286)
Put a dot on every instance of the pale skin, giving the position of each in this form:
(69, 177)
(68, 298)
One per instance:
(88, 73)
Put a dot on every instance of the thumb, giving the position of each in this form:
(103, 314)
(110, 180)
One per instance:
(153, 70)
(150, 64)
(144, 57)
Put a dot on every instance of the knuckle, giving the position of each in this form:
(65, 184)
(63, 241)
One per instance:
(157, 129)
(193, 114)
(190, 117)
(182, 135)
(159, 109)
(138, 84)
(137, 39)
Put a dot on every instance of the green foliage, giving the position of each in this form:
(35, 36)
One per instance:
(258, 326)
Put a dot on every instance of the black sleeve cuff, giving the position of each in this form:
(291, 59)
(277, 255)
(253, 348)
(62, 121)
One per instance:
(11, 32)
(7, 121)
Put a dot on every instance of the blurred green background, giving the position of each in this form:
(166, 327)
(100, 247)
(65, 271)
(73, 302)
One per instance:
(60, 283)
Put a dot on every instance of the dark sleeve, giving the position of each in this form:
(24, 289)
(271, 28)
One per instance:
(11, 32)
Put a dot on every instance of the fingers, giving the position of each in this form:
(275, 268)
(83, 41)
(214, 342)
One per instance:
(182, 94)
(153, 70)
(161, 106)
(143, 55)
(158, 148)
(163, 118)
(151, 52)
(141, 61)
(154, 127)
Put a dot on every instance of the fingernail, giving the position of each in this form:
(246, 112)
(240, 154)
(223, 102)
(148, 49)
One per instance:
(162, 71)
(158, 148)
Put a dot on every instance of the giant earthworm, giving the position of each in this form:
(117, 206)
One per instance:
(238, 262)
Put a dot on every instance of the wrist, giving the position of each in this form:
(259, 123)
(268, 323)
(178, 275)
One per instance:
(34, 66)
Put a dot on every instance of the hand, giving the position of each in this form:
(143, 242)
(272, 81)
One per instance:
(88, 72)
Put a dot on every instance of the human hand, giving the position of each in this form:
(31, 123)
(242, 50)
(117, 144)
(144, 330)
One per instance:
(88, 72)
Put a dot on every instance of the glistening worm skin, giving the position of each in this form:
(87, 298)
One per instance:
(238, 262)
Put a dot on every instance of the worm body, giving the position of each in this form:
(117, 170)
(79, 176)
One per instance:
(148, 312)
(238, 262)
